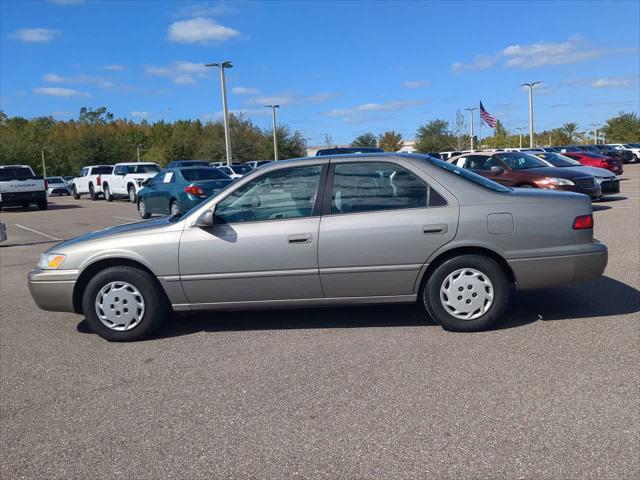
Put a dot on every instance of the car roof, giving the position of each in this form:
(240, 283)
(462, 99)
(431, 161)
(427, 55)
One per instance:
(14, 166)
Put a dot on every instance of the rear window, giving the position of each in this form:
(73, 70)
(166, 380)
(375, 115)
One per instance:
(15, 173)
(55, 180)
(101, 170)
(468, 176)
(241, 169)
(194, 174)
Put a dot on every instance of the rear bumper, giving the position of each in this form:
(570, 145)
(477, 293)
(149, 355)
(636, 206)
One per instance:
(52, 290)
(19, 198)
(549, 271)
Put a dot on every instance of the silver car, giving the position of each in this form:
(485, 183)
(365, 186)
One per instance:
(336, 230)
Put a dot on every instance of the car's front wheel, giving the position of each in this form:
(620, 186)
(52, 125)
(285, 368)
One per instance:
(74, 192)
(92, 193)
(466, 293)
(124, 304)
(132, 193)
(142, 209)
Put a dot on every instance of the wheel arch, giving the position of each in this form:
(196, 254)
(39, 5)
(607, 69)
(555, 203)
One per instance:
(92, 269)
(465, 250)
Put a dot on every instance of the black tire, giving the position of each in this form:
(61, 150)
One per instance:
(107, 193)
(25, 205)
(74, 192)
(92, 193)
(43, 204)
(174, 208)
(142, 210)
(155, 303)
(489, 269)
(131, 191)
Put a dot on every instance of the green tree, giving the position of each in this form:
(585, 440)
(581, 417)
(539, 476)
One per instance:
(365, 140)
(94, 117)
(570, 130)
(434, 136)
(390, 141)
(623, 128)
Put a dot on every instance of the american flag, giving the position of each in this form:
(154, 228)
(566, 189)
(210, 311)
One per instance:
(487, 117)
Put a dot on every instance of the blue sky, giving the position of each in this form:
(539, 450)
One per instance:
(340, 68)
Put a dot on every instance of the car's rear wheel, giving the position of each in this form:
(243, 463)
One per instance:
(107, 194)
(124, 304)
(142, 209)
(43, 204)
(132, 193)
(92, 193)
(466, 293)
(74, 192)
(174, 208)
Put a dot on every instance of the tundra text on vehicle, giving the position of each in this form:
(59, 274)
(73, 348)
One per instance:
(19, 185)
(89, 181)
(127, 178)
(343, 230)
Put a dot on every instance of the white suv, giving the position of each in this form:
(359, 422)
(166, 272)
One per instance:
(127, 178)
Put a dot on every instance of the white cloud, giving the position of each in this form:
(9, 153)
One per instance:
(413, 84)
(184, 80)
(480, 62)
(200, 30)
(204, 9)
(81, 78)
(140, 114)
(611, 82)
(244, 90)
(35, 35)
(180, 72)
(60, 92)
(375, 107)
(281, 99)
(53, 78)
(113, 67)
(322, 97)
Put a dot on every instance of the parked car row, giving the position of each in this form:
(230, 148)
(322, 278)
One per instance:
(333, 230)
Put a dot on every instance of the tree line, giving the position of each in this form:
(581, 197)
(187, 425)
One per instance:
(439, 135)
(95, 138)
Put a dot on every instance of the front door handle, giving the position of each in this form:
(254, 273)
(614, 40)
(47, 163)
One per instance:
(433, 229)
(300, 238)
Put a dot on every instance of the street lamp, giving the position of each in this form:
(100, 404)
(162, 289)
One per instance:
(595, 128)
(530, 86)
(470, 110)
(44, 166)
(138, 147)
(225, 111)
(273, 124)
(520, 134)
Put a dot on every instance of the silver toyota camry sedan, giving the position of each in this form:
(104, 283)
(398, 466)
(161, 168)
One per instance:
(334, 230)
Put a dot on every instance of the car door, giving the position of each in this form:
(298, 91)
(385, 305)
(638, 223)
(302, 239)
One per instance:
(82, 185)
(263, 245)
(380, 223)
(156, 191)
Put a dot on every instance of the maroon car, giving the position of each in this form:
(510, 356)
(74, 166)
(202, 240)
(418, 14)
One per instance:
(519, 169)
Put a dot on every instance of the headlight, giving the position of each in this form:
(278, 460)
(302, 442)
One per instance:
(51, 261)
(553, 182)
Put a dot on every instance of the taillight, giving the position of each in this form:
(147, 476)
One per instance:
(194, 190)
(604, 164)
(583, 222)
(98, 181)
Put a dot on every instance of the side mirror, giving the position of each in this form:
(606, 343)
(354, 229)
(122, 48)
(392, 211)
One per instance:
(497, 170)
(205, 219)
(146, 182)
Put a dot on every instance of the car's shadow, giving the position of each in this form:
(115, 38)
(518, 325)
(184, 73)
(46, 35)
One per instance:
(600, 298)
(51, 206)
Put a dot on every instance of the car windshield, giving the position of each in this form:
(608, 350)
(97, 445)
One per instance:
(467, 175)
(148, 168)
(15, 173)
(520, 160)
(241, 169)
(557, 160)
(101, 170)
(55, 180)
(205, 173)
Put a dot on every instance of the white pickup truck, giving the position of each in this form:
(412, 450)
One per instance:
(127, 178)
(19, 185)
(89, 181)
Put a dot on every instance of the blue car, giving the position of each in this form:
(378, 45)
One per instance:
(175, 190)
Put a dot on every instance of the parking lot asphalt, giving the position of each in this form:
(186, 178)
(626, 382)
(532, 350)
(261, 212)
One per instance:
(375, 392)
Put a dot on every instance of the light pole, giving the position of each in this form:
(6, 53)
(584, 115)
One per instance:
(530, 86)
(44, 166)
(138, 147)
(520, 134)
(595, 128)
(273, 125)
(225, 111)
(470, 110)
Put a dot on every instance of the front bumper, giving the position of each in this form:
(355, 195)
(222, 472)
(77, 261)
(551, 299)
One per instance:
(52, 290)
(586, 263)
(609, 187)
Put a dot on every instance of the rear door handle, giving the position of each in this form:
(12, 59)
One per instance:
(300, 238)
(434, 229)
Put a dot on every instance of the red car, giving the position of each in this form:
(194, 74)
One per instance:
(595, 160)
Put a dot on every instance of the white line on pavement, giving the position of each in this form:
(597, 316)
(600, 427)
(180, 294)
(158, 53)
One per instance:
(37, 232)
(126, 218)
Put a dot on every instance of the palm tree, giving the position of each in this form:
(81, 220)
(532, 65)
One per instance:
(570, 129)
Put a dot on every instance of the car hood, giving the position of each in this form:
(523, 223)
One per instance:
(127, 228)
(595, 171)
(562, 172)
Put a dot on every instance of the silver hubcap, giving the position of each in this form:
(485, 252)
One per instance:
(466, 294)
(132, 194)
(142, 208)
(120, 306)
(174, 209)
